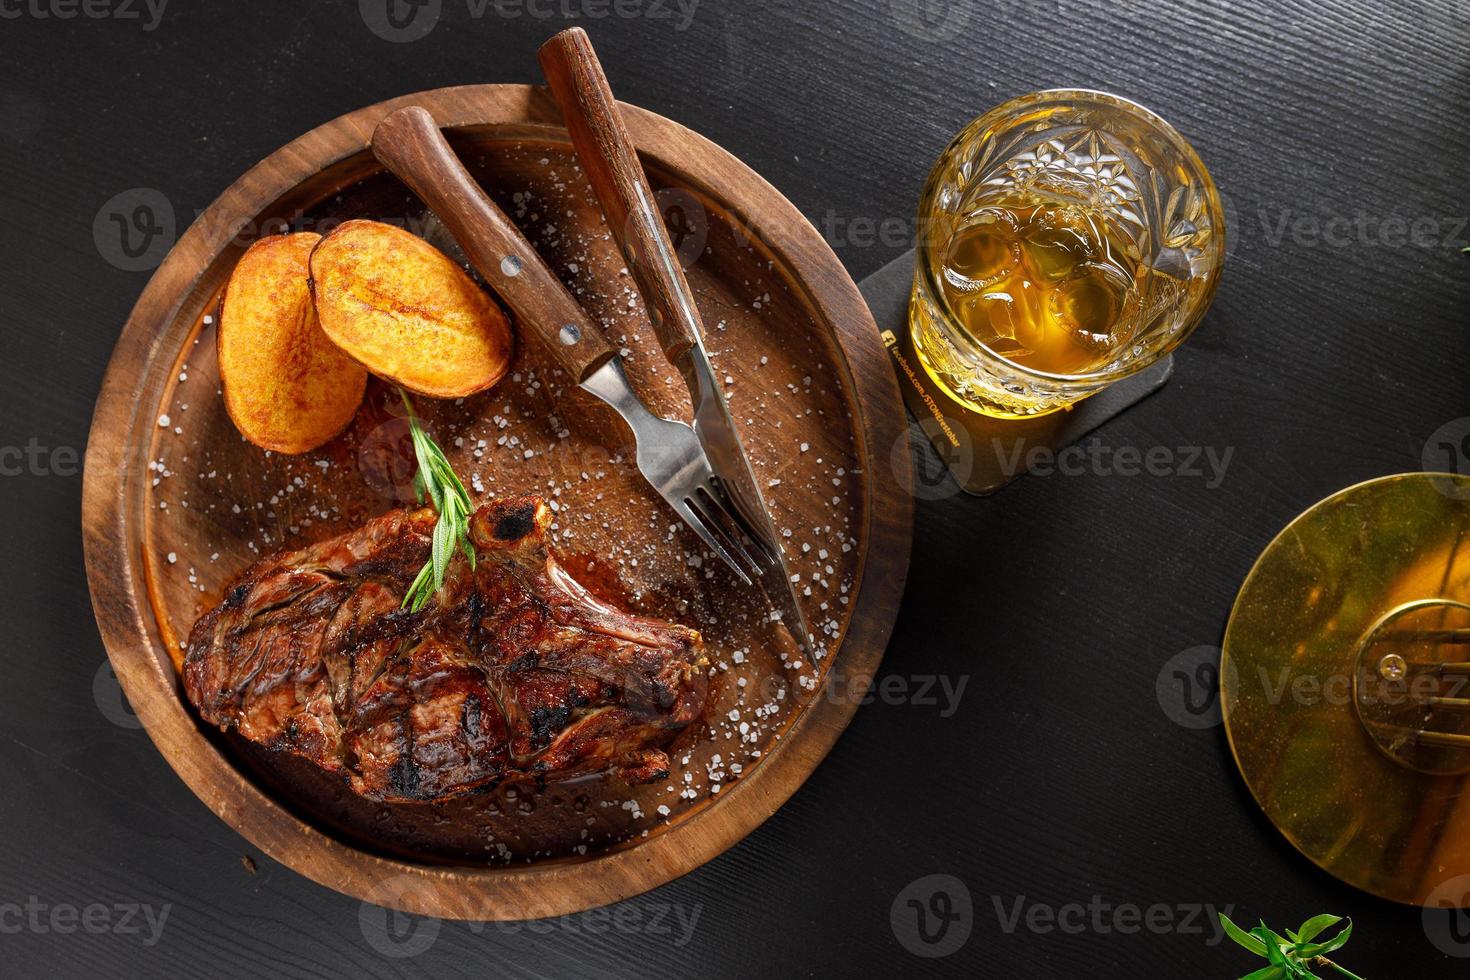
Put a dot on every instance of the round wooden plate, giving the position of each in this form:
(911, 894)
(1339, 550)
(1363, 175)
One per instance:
(176, 504)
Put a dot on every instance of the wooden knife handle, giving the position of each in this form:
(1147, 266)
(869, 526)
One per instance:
(607, 154)
(408, 142)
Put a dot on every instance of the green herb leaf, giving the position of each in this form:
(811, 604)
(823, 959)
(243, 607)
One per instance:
(436, 480)
(1273, 943)
(1330, 946)
(1292, 958)
(1266, 973)
(1314, 926)
(1241, 936)
(442, 548)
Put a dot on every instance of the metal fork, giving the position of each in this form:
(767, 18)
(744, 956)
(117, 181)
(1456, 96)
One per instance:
(671, 458)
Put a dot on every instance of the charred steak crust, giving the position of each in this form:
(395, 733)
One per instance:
(513, 670)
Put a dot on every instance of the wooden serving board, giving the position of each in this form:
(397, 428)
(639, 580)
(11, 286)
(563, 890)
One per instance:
(176, 504)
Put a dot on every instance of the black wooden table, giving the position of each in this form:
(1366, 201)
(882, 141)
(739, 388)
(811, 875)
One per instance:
(1080, 829)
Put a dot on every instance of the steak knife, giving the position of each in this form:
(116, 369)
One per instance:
(669, 455)
(607, 153)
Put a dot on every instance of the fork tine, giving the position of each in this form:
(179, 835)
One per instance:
(716, 489)
(710, 508)
(702, 527)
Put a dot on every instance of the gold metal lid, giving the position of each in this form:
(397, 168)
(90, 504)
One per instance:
(1345, 686)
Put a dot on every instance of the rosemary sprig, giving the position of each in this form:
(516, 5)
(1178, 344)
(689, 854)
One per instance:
(436, 480)
(1294, 955)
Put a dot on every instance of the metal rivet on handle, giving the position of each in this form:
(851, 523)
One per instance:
(570, 334)
(511, 266)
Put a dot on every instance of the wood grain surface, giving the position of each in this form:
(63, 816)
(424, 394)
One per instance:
(1058, 777)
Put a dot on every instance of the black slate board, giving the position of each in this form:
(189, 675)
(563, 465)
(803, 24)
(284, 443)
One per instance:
(968, 451)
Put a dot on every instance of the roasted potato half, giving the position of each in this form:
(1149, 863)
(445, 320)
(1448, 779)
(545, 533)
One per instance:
(407, 312)
(287, 386)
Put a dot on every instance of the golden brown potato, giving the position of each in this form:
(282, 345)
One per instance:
(407, 312)
(287, 386)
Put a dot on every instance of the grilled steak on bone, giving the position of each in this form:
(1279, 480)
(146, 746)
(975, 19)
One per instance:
(513, 670)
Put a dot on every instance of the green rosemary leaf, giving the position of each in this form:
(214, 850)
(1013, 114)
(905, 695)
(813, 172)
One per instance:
(442, 549)
(436, 479)
(422, 588)
(424, 450)
(419, 490)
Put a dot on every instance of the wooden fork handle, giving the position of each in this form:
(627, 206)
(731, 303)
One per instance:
(611, 161)
(408, 142)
